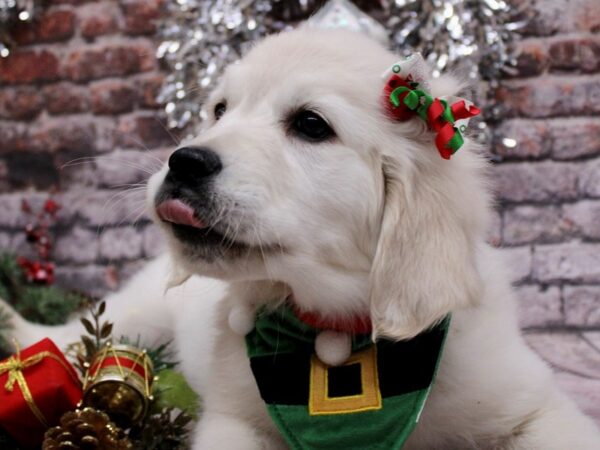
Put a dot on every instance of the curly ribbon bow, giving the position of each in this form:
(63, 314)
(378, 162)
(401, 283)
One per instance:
(15, 366)
(406, 97)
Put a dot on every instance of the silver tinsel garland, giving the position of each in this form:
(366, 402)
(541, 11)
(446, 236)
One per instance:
(13, 12)
(200, 38)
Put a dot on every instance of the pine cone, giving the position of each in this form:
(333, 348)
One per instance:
(86, 429)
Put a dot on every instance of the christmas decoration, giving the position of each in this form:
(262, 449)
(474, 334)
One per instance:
(38, 234)
(173, 403)
(310, 402)
(405, 94)
(166, 411)
(161, 355)
(167, 430)
(86, 429)
(472, 37)
(172, 391)
(37, 385)
(344, 14)
(119, 382)
(99, 336)
(13, 12)
(201, 38)
(27, 284)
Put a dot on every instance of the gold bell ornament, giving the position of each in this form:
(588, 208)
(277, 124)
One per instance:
(119, 382)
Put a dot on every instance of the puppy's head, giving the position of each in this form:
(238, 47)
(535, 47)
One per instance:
(300, 177)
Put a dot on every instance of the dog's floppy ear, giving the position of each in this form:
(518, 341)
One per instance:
(434, 214)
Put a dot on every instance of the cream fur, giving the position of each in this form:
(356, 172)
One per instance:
(371, 222)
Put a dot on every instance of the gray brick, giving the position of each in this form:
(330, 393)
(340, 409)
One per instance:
(585, 217)
(593, 97)
(93, 280)
(10, 204)
(574, 54)
(75, 134)
(120, 243)
(569, 351)
(539, 307)
(552, 16)
(143, 130)
(589, 182)
(98, 208)
(5, 240)
(19, 246)
(572, 261)
(77, 176)
(125, 167)
(532, 57)
(574, 137)
(547, 96)
(518, 260)
(533, 139)
(79, 245)
(582, 305)
(585, 391)
(526, 224)
(542, 181)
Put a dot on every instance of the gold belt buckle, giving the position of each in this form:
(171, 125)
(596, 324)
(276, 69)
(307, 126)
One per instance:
(321, 401)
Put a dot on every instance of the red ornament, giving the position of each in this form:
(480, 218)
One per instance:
(37, 386)
(403, 100)
(51, 207)
(38, 272)
(38, 235)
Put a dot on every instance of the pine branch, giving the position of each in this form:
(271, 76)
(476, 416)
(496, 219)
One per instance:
(162, 357)
(167, 430)
(11, 278)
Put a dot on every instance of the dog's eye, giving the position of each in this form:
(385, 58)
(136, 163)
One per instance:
(311, 126)
(220, 109)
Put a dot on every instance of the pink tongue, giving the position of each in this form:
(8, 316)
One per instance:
(175, 211)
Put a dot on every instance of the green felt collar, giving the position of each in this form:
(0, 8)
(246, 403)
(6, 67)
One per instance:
(373, 401)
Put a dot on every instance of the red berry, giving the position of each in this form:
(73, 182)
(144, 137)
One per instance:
(51, 206)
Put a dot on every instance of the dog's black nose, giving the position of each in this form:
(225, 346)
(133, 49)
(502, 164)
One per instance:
(194, 163)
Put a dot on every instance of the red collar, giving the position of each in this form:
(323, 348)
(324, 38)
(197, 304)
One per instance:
(351, 325)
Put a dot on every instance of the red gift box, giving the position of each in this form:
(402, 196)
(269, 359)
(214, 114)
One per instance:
(37, 386)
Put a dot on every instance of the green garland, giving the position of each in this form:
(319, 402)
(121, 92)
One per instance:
(45, 304)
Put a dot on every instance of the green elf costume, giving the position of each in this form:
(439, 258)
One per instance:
(372, 401)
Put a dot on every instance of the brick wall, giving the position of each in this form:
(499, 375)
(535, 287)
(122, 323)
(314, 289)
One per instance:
(83, 84)
(548, 189)
(78, 117)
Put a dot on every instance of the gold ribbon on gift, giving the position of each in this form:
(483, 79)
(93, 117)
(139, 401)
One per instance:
(15, 366)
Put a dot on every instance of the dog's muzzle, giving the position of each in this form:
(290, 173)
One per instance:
(191, 170)
(193, 165)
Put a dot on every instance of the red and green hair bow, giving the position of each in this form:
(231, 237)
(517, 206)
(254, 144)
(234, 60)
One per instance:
(406, 95)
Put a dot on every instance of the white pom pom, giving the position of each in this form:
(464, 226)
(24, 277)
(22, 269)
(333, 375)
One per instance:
(333, 348)
(241, 319)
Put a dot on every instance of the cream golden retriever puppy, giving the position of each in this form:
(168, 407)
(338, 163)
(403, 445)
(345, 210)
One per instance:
(301, 187)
